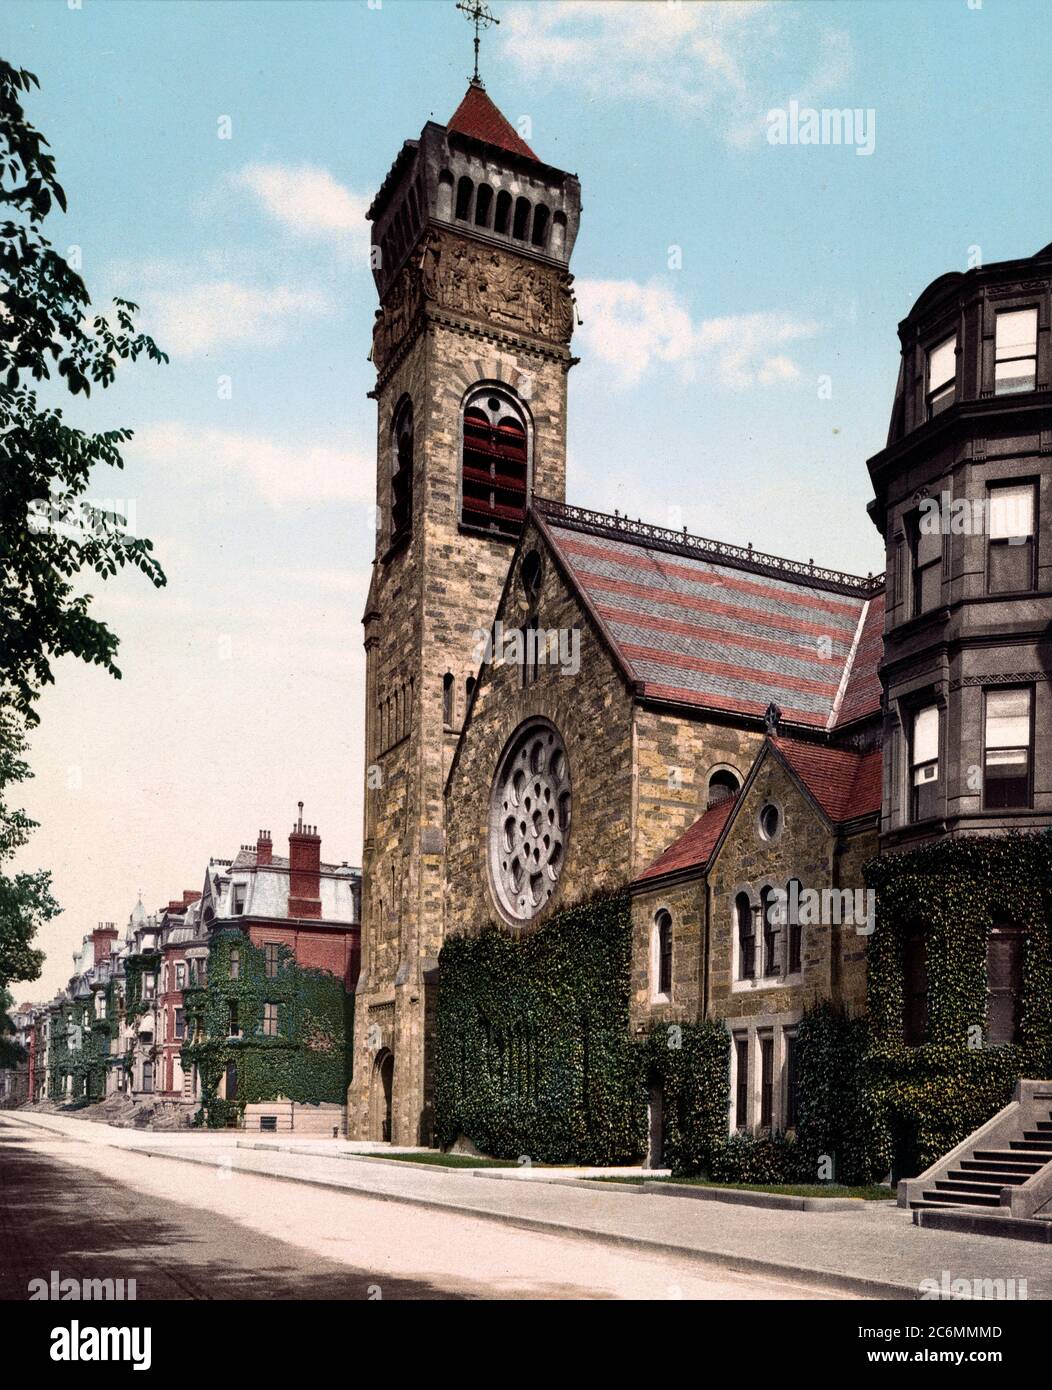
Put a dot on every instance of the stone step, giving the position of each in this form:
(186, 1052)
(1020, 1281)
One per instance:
(987, 1178)
(1010, 1156)
(961, 1199)
(1036, 1145)
(1024, 1167)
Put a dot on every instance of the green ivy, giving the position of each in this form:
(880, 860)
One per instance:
(533, 1052)
(691, 1062)
(308, 1060)
(931, 1097)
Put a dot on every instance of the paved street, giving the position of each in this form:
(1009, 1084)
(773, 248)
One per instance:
(91, 1208)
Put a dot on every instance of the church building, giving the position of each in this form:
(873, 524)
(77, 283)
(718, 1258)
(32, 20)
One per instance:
(563, 705)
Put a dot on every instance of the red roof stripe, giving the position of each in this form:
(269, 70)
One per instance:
(707, 700)
(683, 662)
(711, 634)
(798, 595)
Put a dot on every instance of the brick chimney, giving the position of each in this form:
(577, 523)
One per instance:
(190, 895)
(304, 869)
(264, 849)
(103, 937)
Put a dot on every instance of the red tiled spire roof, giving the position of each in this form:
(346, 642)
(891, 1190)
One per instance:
(478, 117)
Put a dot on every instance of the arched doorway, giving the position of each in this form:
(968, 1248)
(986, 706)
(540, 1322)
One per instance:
(382, 1089)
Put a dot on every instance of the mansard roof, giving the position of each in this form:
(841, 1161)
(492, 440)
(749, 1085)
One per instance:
(478, 118)
(721, 627)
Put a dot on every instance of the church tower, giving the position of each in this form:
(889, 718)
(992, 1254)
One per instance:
(471, 236)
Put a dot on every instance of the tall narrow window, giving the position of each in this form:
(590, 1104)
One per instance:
(180, 1024)
(1010, 539)
(483, 205)
(766, 1082)
(520, 229)
(794, 931)
(942, 373)
(233, 1026)
(926, 565)
(792, 1083)
(1008, 748)
(741, 1098)
(1004, 983)
(924, 763)
(768, 915)
(746, 937)
(270, 959)
(465, 188)
(469, 690)
(402, 469)
(147, 1076)
(447, 700)
(540, 225)
(235, 963)
(1015, 352)
(238, 906)
(663, 953)
(270, 1020)
(914, 988)
(502, 217)
(495, 471)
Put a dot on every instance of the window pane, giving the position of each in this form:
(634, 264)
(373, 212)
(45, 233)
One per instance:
(926, 735)
(929, 594)
(1016, 333)
(1011, 567)
(1020, 375)
(942, 364)
(929, 546)
(1007, 719)
(1011, 512)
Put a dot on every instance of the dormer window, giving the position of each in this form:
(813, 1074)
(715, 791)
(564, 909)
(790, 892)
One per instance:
(942, 376)
(238, 905)
(1015, 352)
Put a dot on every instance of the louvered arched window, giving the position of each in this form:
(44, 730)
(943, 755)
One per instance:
(495, 467)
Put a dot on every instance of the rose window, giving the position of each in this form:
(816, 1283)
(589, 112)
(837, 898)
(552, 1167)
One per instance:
(529, 820)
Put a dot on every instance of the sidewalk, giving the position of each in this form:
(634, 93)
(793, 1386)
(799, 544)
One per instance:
(874, 1251)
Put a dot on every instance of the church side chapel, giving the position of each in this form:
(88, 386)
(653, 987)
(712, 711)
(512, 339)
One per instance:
(625, 786)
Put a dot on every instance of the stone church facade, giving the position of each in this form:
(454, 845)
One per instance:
(563, 704)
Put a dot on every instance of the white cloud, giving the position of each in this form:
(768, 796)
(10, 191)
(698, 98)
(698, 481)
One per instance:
(188, 319)
(307, 201)
(279, 474)
(634, 328)
(717, 57)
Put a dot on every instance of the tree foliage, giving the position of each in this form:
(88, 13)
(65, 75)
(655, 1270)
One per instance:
(51, 534)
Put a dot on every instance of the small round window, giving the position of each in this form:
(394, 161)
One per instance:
(770, 821)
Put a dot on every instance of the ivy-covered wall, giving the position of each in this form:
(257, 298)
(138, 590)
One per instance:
(931, 1097)
(533, 1053)
(308, 1059)
(86, 1063)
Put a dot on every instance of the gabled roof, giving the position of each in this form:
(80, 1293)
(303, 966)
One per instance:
(478, 117)
(844, 784)
(722, 627)
(694, 847)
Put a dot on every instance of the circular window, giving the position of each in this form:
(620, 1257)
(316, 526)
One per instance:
(770, 821)
(529, 821)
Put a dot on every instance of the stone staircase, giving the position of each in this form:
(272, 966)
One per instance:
(1005, 1167)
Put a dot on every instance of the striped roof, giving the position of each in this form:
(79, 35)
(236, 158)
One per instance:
(730, 634)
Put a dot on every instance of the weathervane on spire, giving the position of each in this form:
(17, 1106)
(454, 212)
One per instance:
(480, 16)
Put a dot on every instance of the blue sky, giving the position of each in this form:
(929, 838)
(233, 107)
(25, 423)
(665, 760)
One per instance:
(696, 401)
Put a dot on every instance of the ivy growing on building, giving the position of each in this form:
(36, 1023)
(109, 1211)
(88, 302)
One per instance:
(533, 1053)
(306, 1059)
(691, 1064)
(932, 1096)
